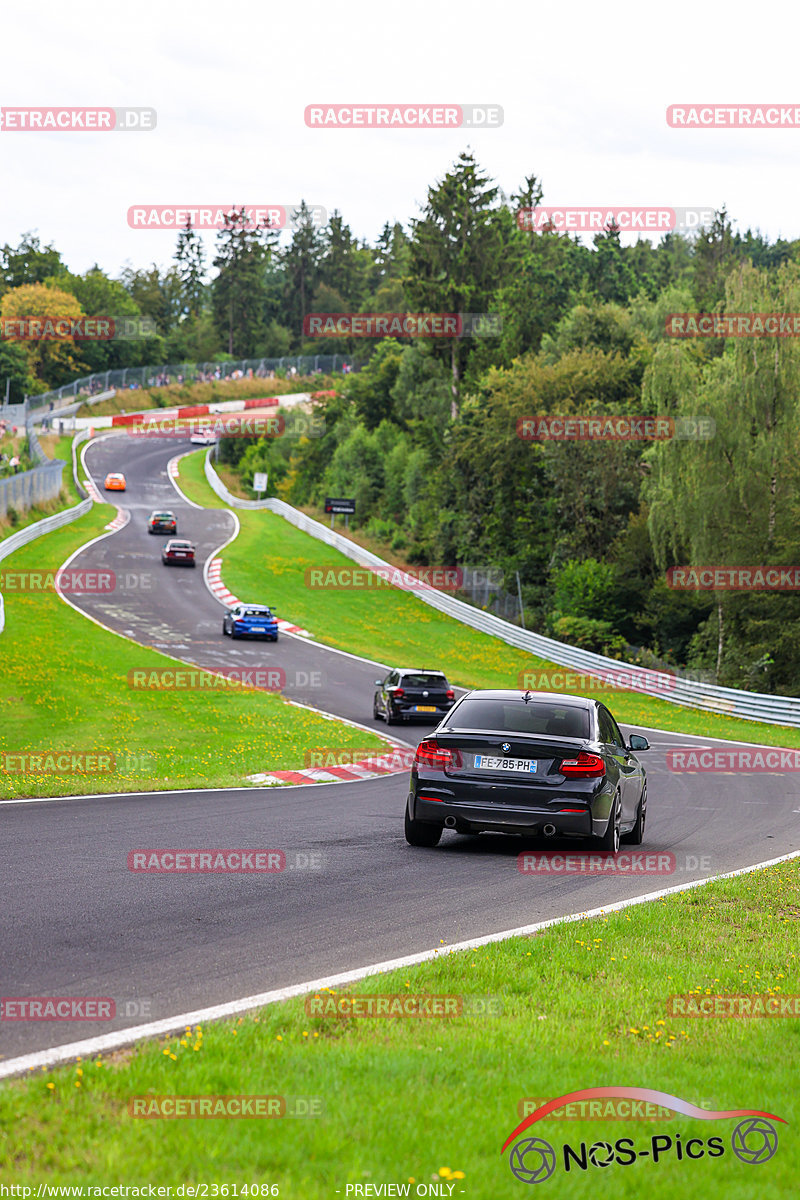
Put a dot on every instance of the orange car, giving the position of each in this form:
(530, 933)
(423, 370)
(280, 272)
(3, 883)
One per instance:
(115, 482)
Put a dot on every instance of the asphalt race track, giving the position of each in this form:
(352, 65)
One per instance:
(76, 922)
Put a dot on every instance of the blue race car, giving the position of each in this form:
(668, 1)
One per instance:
(251, 620)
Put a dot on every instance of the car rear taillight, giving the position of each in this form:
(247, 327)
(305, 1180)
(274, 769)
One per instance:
(585, 766)
(450, 694)
(398, 692)
(431, 754)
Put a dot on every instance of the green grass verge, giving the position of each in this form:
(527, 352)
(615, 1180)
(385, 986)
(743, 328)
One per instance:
(409, 1099)
(268, 562)
(64, 686)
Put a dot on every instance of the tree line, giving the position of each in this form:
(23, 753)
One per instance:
(425, 435)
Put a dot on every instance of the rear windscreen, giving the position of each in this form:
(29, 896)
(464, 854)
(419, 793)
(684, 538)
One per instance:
(256, 612)
(435, 681)
(515, 716)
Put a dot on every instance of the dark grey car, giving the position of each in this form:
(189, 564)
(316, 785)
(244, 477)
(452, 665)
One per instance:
(532, 763)
(409, 692)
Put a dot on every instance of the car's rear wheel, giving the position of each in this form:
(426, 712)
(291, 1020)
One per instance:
(420, 833)
(636, 835)
(225, 628)
(610, 839)
(389, 717)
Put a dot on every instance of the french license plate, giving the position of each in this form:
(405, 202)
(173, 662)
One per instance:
(487, 762)
(426, 708)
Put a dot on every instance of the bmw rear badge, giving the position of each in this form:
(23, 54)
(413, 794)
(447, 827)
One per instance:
(506, 747)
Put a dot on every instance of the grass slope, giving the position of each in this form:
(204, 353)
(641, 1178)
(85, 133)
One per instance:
(64, 686)
(268, 563)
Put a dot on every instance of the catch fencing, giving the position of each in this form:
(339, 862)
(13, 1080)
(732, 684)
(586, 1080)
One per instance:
(132, 378)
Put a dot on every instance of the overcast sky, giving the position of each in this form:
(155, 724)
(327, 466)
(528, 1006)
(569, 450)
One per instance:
(584, 90)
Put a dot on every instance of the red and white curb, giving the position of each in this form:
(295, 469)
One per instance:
(213, 572)
(123, 515)
(392, 762)
(120, 520)
(218, 589)
(217, 586)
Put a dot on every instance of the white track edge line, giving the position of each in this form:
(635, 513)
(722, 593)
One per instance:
(124, 1037)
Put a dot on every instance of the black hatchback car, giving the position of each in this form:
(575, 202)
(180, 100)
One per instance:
(412, 692)
(529, 763)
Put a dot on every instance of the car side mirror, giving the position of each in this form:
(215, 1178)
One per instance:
(378, 683)
(637, 742)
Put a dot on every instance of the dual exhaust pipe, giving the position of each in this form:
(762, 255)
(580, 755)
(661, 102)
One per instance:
(548, 830)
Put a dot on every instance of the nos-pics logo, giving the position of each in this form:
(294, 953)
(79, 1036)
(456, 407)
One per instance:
(753, 1140)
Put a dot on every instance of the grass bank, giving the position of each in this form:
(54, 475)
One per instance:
(64, 688)
(269, 562)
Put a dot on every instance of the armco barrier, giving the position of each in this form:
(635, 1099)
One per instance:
(16, 541)
(235, 501)
(752, 706)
